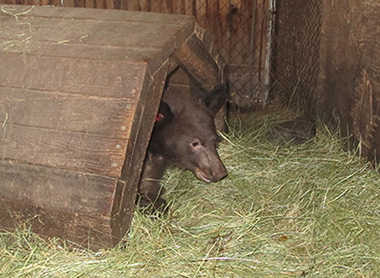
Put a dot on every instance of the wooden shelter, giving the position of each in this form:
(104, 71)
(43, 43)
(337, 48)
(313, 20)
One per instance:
(79, 91)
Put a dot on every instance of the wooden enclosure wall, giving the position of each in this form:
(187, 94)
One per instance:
(327, 65)
(237, 27)
(349, 90)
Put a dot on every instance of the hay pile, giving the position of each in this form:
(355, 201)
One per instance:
(309, 210)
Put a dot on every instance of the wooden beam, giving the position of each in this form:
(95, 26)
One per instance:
(197, 62)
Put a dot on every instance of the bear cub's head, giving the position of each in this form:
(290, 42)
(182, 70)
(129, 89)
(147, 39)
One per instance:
(185, 134)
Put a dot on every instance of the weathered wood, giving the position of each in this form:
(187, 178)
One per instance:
(93, 14)
(71, 75)
(90, 4)
(79, 92)
(59, 203)
(70, 150)
(145, 117)
(197, 63)
(44, 109)
(57, 189)
(228, 22)
(135, 34)
(179, 77)
(94, 233)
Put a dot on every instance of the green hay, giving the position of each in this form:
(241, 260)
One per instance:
(310, 210)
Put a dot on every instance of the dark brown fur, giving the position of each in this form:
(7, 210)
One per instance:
(184, 137)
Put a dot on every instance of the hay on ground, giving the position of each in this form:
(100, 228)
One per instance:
(308, 210)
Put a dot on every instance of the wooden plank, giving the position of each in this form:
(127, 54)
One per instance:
(68, 150)
(144, 5)
(201, 12)
(90, 3)
(81, 76)
(68, 3)
(55, 3)
(51, 110)
(110, 4)
(85, 51)
(118, 34)
(179, 78)
(197, 62)
(78, 3)
(85, 46)
(100, 4)
(144, 121)
(57, 189)
(89, 232)
(99, 15)
(61, 203)
(189, 7)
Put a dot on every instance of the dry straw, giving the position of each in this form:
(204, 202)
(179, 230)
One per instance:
(309, 210)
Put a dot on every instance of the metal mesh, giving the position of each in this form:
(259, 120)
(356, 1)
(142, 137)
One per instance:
(295, 65)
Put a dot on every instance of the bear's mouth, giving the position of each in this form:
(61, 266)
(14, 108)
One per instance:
(201, 175)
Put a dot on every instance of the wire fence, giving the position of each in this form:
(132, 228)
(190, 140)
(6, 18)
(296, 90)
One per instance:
(296, 45)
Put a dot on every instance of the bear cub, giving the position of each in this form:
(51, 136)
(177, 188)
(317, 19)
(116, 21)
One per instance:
(184, 136)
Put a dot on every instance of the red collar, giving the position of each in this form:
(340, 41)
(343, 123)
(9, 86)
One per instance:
(159, 117)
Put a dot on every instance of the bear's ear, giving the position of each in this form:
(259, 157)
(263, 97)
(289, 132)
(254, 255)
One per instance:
(164, 114)
(215, 99)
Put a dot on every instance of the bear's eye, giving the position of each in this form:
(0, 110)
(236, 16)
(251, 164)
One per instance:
(195, 143)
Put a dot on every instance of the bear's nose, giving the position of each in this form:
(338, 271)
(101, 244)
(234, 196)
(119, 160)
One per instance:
(219, 173)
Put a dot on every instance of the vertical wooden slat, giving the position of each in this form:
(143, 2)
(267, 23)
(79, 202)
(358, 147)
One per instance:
(79, 3)
(176, 7)
(246, 7)
(201, 12)
(100, 4)
(188, 7)
(56, 3)
(144, 5)
(168, 6)
(110, 4)
(32, 2)
(90, 3)
(68, 3)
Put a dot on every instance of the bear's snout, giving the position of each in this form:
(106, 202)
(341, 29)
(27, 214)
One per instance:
(213, 174)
